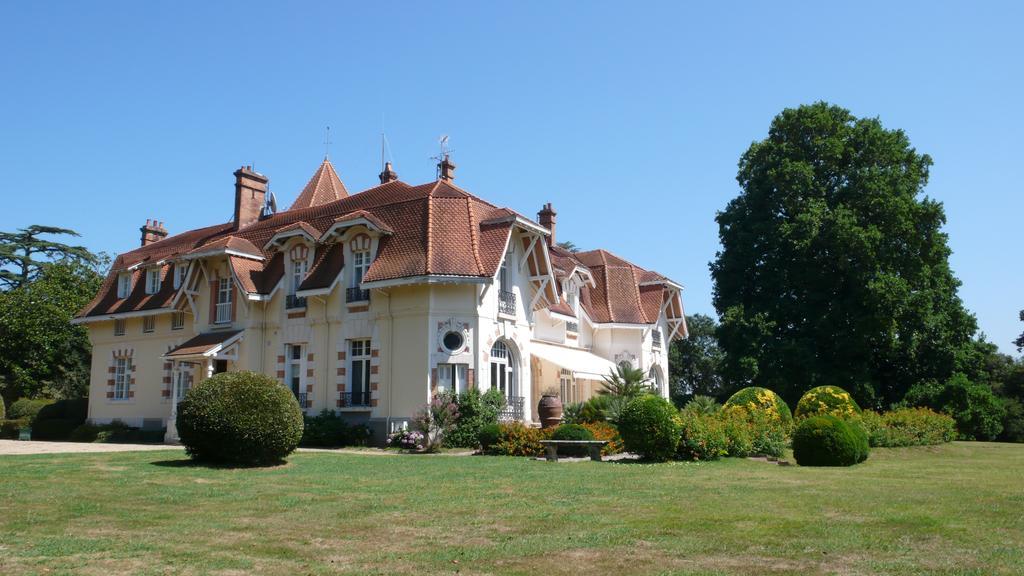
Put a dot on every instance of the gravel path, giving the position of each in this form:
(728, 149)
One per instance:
(12, 447)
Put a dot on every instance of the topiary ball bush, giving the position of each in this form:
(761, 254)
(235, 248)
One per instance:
(240, 418)
(572, 432)
(755, 398)
(488, 436)
(826, 400)
(826, 440)
(27, 408)
(650, 426)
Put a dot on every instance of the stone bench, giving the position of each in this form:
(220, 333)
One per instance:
(551, 448)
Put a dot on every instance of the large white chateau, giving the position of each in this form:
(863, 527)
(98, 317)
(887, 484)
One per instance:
(370, 303)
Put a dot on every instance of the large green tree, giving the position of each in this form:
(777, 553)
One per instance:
(833, 267)
(694, 362)
(25, 252)
(41, 353)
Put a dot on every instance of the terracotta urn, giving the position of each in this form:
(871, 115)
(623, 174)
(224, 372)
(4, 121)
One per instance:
(550, 411)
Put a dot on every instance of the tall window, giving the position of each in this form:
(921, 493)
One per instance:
(149, 324)
(359, 369)
(293, 371)
(177, 320)
(502, 370)
(119, 327)
(183, 379)
(452, 378)
(572, 295)
(179, 275)
(224, 301)
(504, 275)
(152, 281)
(298, 275)
(121, 378)
(569, 393)
(124, 284)
(360, 263)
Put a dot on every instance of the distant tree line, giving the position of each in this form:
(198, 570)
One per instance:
(834, 269)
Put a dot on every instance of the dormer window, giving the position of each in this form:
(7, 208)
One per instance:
(360, 246)
(572, 297)
(179, 275)
(223, 310)
(124, 284)
(152, 281)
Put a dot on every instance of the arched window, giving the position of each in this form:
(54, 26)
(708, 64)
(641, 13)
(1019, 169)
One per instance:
(655, 376)
(503, 370)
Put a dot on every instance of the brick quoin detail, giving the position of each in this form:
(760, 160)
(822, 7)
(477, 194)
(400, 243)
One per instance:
(280, 359)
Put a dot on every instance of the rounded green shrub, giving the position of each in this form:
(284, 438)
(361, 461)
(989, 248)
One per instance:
(826, 440)
(488, 436)
(827, 400)
(756, 399)
(27, 408)
(572, 432)
(239, 418)
(705, 437)
(650, 426)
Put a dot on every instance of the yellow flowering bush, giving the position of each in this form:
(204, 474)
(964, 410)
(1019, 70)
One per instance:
(831, 400)
(754, 400)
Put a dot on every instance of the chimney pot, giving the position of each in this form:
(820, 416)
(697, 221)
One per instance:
(388, 175)
(153, 231)
(547, 218)
(250, 194)
(446, 169)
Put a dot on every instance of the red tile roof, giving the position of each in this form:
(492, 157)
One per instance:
(325, 186)
(201, 344)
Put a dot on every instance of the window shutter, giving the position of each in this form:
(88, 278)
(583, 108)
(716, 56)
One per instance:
(213, 301)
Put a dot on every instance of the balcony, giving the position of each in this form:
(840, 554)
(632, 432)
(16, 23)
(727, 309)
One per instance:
(513, 409)
(656, 338)
(300, 397)
(292, 302)
(358, 399)
(506, 302)
(572, 326)
(357, 294)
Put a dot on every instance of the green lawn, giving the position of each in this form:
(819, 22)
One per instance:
(955, 509)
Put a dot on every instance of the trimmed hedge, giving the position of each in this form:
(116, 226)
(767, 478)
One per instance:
(827, 400)
(116, 433)
(754, 399)
(908, 427)
(239, 418)
(29, 408)
(518, 439)
(54, 428)
(826, 440)
(329, 430)
(650, 426)
(572, 432)
(10, 429)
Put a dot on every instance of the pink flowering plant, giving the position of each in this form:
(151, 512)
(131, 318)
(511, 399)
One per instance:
(412, 440)
(436, 419)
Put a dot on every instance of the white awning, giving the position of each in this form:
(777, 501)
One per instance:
(583, 364)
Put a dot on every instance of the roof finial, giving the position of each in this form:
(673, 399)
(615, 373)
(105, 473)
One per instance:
(327, 143)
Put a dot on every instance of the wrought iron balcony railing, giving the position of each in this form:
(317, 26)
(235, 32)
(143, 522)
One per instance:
(356, 294)
(301, 398)
(355, 399)
(513, 409)
(507, 302)
(293, 301)
(572, 326)
(656, 338)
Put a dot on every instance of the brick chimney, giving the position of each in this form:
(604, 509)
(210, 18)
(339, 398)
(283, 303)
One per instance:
(446, 169)
(546, 218)
(388, 175)
(250, 193)
(153, 231)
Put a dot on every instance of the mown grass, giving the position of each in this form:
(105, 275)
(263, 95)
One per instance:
(955, 509)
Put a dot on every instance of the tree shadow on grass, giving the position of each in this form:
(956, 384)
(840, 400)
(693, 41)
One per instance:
(190, 463)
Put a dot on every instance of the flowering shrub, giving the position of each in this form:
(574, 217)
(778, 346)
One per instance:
(826, 400)
(908, 427)
(703, 436)
(476, 411)
(436, 419)
(755, 399)
(518, 439)
(412, 440)
(607, 432)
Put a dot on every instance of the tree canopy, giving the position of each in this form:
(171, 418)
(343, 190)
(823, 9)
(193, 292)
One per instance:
(20, 250)
(694, 362)
(833, 269)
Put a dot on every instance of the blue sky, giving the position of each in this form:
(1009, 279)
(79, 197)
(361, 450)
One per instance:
(629, 117)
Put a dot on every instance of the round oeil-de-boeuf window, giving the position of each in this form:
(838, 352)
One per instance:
(453, 340)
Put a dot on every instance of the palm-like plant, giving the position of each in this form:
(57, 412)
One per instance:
(703, 405)
(626, 382)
